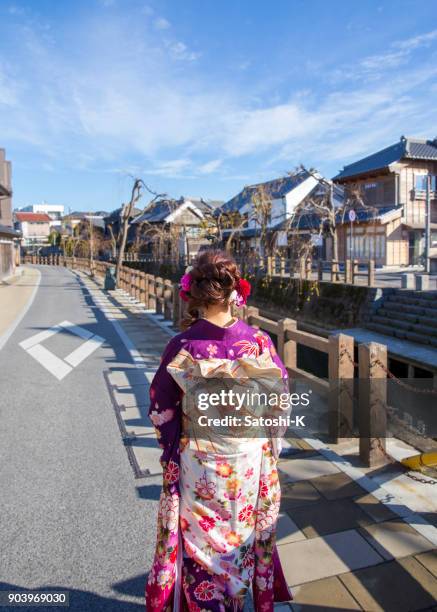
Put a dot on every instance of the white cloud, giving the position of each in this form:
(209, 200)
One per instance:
(161, 24)
(121, 100)
(179, 51)
(210, 167)
(399, 53)
(175, 168)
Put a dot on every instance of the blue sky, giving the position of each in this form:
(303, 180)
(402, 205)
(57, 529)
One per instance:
(200, 97)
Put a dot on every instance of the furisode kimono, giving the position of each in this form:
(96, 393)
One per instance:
(218, 508)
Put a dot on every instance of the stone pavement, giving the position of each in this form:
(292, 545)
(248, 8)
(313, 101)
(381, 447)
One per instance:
(347, 539)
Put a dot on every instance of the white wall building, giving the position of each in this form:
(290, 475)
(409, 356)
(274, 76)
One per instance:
(54, 211)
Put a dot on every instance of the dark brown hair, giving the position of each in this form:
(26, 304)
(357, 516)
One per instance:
(214, 276)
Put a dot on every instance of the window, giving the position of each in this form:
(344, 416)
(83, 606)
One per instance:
(421, 180)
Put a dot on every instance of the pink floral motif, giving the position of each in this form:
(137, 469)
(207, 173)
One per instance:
(207, 523)
(246, 513)
(212, 349)
(171, 474)
(262, 340)
(164, 577)
(205, 591)
(263, 489)
(248, 473)
(205, 488)
(159, 418)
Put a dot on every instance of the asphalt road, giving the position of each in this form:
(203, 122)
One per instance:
(72, 515)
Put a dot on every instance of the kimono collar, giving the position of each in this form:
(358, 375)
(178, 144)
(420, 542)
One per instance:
(213, 331)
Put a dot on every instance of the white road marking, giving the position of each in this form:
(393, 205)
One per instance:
(56, 366)
(40, 337)
(84, 350)
(75, 329)
(53, 364)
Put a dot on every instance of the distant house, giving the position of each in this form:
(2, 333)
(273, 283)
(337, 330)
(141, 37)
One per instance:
(8, 236)
(34, 228)
(285, 195)
(72, 220)
(183, 217)
(392, 183)
(54, 211)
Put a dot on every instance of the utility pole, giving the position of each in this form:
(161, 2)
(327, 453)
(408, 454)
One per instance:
(428, 225)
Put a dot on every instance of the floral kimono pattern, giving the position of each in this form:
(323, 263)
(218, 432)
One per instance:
(220, 502)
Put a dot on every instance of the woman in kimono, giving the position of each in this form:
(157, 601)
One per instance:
(219, 504)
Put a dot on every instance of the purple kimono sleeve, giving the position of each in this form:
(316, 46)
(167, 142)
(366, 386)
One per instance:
(165, 411)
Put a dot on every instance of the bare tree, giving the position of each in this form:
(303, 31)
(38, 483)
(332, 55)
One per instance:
(327, 213)
(113, 241)
(215, 222)
(126, 214)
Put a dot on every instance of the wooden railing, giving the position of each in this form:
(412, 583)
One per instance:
(162, 296)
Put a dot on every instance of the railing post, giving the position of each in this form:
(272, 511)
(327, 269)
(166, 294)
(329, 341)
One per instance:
(320, 270)
(371, 273)
(168, 296)
(159, 282)
(372, 403)
(283, 326)
(152, 292)
(348, 277)
(341, 386)
(290, 347)
(176, 302)
(355, 270)
(251, 312)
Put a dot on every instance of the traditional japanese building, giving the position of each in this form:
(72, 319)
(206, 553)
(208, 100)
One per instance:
(392, 183)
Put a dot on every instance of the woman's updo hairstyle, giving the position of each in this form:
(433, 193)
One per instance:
(214, 276)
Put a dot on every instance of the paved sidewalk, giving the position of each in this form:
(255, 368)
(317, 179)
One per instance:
(349, 539)
(15, 296)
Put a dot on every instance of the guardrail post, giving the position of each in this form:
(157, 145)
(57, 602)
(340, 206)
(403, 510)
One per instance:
(341, 386)
(372, 403)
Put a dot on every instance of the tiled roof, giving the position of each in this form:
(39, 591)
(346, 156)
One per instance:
(275, 189)
(406, 148)
(32, 217)
(158, 211)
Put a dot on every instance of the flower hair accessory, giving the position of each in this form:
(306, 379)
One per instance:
(185, 284)
(241, 293)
